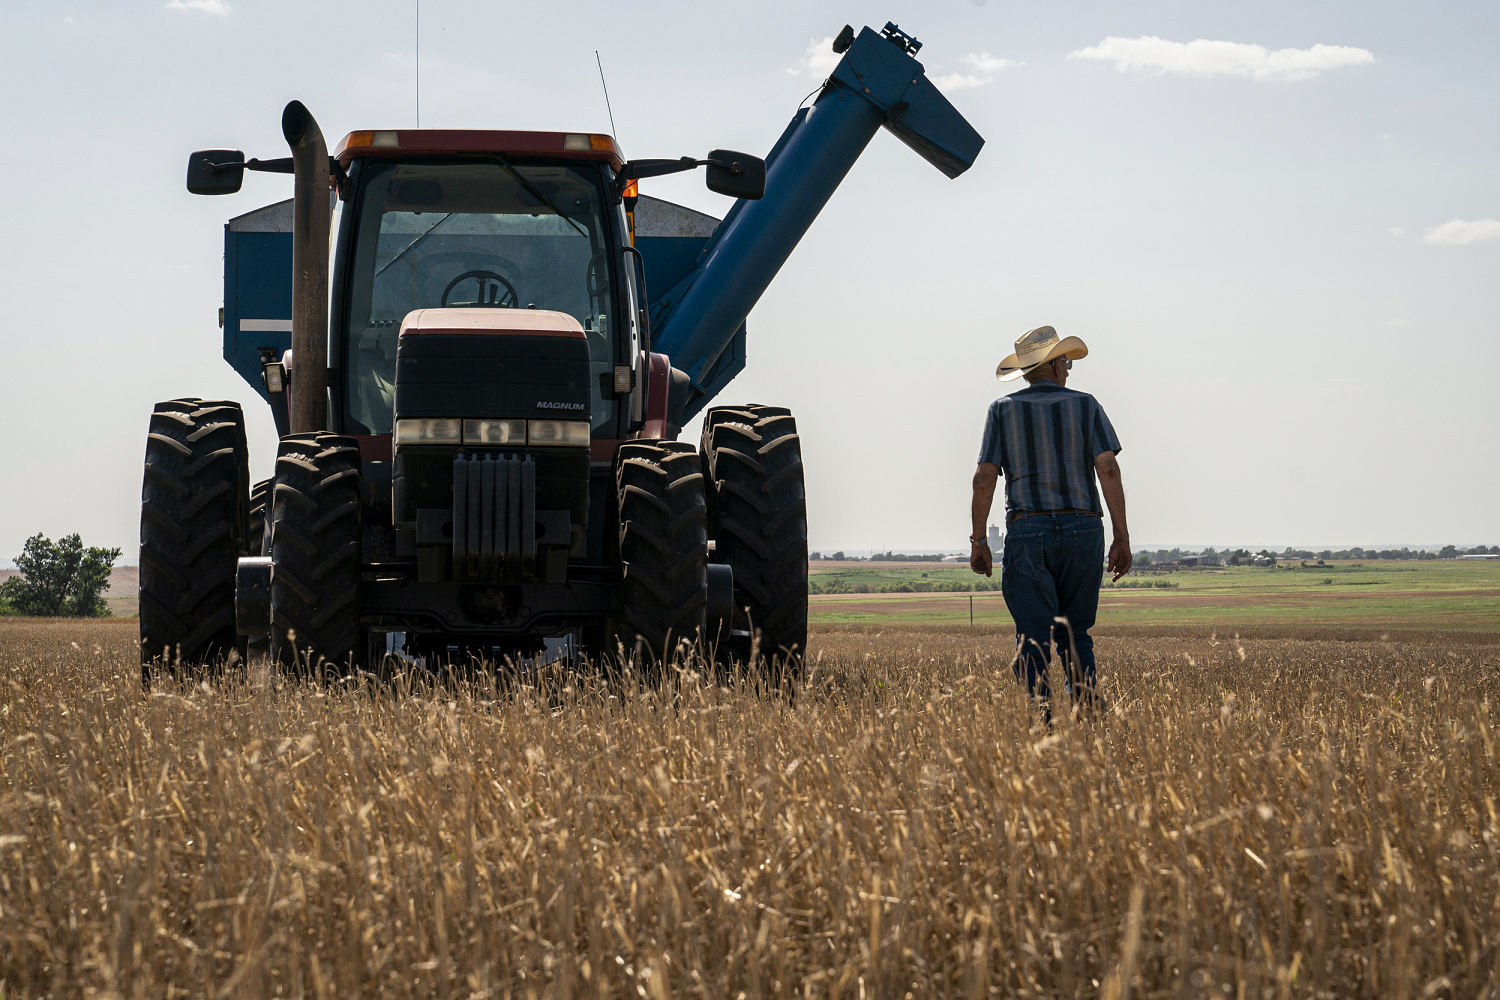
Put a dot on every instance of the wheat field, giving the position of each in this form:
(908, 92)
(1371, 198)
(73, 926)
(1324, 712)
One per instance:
(1259, 816)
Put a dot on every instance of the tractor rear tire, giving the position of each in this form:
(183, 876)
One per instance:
(194, 500)
(759, 524)
(663, 548)
(258, 543)
(257, 538)
(315, 554)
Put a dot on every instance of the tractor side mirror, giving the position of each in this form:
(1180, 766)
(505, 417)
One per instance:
(215, 171)
(738, 175)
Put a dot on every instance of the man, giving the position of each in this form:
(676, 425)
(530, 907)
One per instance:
(1050, 442)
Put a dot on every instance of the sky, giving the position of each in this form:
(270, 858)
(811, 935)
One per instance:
(1276, 226)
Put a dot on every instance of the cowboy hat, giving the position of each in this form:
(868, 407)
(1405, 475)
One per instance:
(1037, 347)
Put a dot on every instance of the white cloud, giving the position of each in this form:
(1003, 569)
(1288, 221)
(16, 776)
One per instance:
(219, 7)
(986, 63)
(1203, 57)
(958, 81)
(1398, 230)
(985, 67)
(1461, 231)
(818, 60)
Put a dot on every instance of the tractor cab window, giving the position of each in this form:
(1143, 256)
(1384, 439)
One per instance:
(476, 234)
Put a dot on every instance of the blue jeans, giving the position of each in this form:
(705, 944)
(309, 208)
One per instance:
(1049, 576)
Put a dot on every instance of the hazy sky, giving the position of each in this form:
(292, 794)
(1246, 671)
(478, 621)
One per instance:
(1277, 226)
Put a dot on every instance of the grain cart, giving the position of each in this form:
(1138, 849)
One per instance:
(478, 399)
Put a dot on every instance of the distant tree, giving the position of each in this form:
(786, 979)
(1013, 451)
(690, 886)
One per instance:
(814, 556)
(837, 556)
(59, 578)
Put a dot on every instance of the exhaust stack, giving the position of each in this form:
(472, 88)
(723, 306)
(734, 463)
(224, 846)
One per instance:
(309, 388)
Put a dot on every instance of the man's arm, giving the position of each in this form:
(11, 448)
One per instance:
(981, 560)
(1113, 489)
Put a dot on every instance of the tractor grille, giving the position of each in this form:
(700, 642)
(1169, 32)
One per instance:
(494, 517)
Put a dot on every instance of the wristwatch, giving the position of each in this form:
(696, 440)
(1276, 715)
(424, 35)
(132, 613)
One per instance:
(981, 540)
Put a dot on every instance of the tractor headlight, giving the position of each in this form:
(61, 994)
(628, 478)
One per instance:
(494, 432)
(428, 430)
(558, 432)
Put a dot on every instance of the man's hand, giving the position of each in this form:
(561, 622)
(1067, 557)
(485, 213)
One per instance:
(986, 475)
(1120, 557)
(1113, 489)
(981, 560)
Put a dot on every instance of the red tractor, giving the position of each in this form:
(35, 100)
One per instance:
(478, 401)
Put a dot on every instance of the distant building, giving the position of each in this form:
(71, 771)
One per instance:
(997, 538)
(1486, 555)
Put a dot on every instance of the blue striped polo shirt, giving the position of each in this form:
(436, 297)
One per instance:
(1044, 438)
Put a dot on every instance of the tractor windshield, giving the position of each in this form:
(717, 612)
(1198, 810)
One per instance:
(483, 234)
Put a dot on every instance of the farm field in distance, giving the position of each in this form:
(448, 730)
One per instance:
(1291, 811)
(1401, 594)
(1460, 595)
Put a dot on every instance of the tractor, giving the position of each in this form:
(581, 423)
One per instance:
(478, 400)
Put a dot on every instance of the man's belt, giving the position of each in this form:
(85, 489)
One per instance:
(1016, 515)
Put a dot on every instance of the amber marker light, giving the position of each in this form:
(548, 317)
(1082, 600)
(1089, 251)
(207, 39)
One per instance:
(373, 140)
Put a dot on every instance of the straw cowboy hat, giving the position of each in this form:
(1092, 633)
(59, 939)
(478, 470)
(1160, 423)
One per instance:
(1037, 347)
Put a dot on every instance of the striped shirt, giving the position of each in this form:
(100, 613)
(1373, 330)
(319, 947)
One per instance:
(1045, 438)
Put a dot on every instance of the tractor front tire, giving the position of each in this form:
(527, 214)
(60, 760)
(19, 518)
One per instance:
(194, 500)
(758, 506)
(315, 555)
(663, 537)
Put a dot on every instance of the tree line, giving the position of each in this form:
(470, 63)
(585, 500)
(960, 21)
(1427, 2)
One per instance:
(1233, 557)
(1239, 557)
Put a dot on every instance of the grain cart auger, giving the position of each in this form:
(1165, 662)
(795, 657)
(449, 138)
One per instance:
(476, 406)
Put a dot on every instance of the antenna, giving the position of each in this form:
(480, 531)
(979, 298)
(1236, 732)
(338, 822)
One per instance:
(612, 132)
(418, 34)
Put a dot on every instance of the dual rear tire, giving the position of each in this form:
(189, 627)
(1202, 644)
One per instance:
(315, 526)
(199, 515)
(194, 521)
(758, 520)
(663, 539)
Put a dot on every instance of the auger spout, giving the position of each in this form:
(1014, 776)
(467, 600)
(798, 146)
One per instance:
(878, 82)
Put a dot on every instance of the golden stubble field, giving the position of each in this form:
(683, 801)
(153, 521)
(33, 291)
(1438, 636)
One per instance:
(1267, 816)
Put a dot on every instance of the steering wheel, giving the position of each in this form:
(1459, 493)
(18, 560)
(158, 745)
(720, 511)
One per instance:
(494, 290)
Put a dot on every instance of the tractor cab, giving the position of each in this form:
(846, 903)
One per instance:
(441, 220)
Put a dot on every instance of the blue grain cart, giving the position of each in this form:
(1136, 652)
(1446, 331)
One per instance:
(479, 394)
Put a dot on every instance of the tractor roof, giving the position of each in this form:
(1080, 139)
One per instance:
(398, 143)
